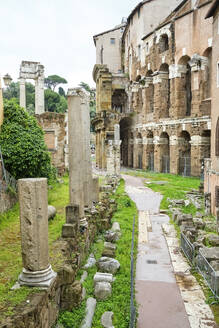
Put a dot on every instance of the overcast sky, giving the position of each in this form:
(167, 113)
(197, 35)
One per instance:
(57, 33)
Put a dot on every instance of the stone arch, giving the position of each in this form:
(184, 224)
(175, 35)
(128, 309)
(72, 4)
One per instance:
(150, 150)
(126, 137)
(206, 75)
(164, 90)
(184, 153)
(205, 149)
(165, 152)
(139, 142)
(184, 88)
(119, 100)
(163, 43)
(149, 92)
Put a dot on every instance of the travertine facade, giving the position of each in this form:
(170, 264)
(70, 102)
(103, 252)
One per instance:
(212, 166)
(162, 97)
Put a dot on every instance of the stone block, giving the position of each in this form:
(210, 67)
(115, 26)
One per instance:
(108, 245)
(69, 230)
(90, 310)
(108, 253)
(90, 262)
(210, 253)
(103, 277)
(116, 227)
(71, 296)
(213, 240)
(112, 236)
(107, 264)
(51, 212)
(103, 290)
(107, 320)
(66, 275)
(72, 214)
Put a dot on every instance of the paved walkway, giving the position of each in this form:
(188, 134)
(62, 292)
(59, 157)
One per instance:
(157, 293)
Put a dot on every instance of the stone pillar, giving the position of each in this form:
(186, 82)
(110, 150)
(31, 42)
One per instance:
(34, 233)
(95, 190)
(110, 159)
(174, 155)
(85, 110)
(157, 158)
(76, 152)
(39, 95)
(117, 152)
(22, 93)
(1, 105)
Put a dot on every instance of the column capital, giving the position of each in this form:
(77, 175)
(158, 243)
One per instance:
(79, 92)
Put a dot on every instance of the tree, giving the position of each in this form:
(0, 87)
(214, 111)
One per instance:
(61, 91)
(54, 102)
(22, 144)
(53, 80)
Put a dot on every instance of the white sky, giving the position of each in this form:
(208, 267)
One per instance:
(57, 33)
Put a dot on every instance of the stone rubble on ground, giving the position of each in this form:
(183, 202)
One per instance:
(84, 277)
(51, 212)
(90, 310)
(115, 227)
(107, 320)
(103, 277)
(107, 264)
(112, 236)
(102, 290)
(90, 262)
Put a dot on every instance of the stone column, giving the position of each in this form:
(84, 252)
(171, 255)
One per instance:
(117, 151)
(22, 93)
(34, 233)
(76, 150)
(95, 190)
(174, 155)
(39, 95)
(1, 105)
(110, 159)
(85, 110)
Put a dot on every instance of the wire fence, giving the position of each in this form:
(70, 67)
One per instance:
(202, 265)
(208, 273)
(187, 248)
(132, 305)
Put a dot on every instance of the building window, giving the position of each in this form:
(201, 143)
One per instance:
(139, 51)
(112, 40)
(147, 48)
(218, 75)
(163, 43)
(101, 55)
(217, 139)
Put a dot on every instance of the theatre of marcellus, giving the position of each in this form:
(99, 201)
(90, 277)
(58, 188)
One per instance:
(155, 76)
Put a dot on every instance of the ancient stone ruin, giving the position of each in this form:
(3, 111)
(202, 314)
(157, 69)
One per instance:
(33, 71)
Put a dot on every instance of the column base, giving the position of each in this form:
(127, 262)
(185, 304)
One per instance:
(40, 279)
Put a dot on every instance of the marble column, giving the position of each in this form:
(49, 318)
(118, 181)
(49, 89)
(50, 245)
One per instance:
(34, 233)
(85, 110)
(39, 95)
(76, 148)
(117, 153)
(22, 93)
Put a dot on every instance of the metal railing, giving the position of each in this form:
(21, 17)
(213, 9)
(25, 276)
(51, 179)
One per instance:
(208, 273)
(201, 264)
(187, 248)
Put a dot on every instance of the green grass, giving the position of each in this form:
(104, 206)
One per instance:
(10, 247)
(175, 188)
(119, 303)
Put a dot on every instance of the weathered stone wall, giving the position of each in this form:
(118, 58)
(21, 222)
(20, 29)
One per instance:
(7, 200)
(54, 127)
(42, 308)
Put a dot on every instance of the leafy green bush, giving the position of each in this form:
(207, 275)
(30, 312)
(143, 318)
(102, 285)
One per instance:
(22, 144)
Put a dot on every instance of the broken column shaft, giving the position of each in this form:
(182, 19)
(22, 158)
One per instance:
(34, 233)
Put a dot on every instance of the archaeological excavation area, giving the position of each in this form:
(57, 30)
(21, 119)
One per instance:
(109, 190)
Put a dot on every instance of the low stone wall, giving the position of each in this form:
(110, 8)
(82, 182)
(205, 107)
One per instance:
(7, 201)
(41, 309)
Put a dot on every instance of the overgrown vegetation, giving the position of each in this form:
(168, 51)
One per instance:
(22, 144)
(10, 247)
(119, 302)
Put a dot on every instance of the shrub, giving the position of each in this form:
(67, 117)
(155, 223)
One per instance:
(22, 144)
